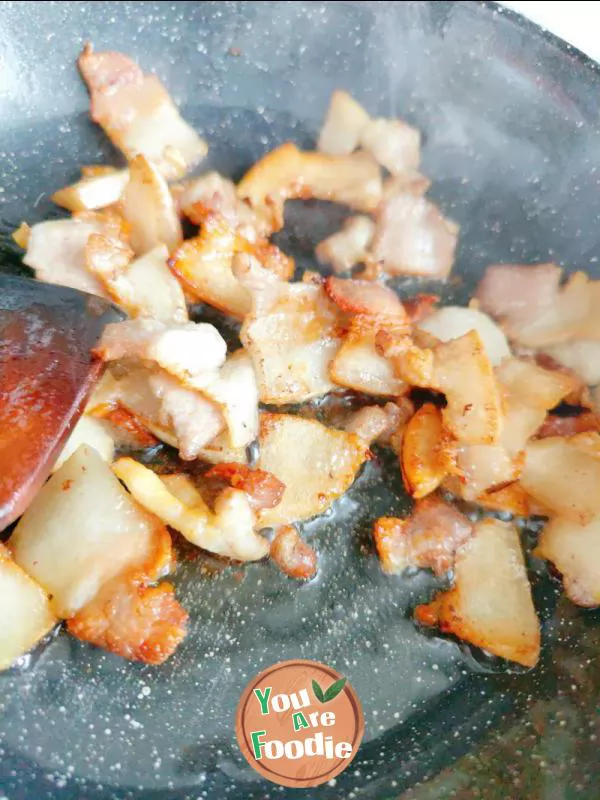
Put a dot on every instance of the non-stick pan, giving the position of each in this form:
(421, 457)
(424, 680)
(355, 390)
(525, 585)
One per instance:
(510, 118)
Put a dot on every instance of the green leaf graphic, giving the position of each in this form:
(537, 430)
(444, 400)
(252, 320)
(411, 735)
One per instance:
(318, 692)
(334, 689)
(331, 693)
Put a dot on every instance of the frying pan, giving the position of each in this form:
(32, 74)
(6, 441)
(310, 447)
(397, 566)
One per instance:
(510, 116)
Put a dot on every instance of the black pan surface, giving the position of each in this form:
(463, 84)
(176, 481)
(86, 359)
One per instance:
(510, 117)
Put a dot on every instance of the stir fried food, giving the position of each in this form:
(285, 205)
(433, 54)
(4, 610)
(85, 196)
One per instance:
(494, 612)
(489, 404)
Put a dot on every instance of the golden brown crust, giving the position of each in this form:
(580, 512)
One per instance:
(134, 621)
(426, 452)
(428, 539)
(264, 490)
(292, 554)
(364, 297)
(490, 603)
(568, 426)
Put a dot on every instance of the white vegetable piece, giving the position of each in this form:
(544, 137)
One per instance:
(490, 603)
(91, 432)
(317, 464)
(219, 451)
(392, 142)
(574, 550)
(56, 252)
(235, 392)
(529, 392)
(452, 322)
(463, 371)
(229, 531)
(558, 474)
(93, 191)
(144, 287)
(580, 355)
(190, 351)
(344, 123)
(81, 530)
(149, 209)
(25, 614)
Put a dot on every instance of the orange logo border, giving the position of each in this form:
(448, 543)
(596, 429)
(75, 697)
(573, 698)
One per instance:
(272, 774)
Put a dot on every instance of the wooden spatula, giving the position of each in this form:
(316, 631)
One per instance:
(46, 376)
